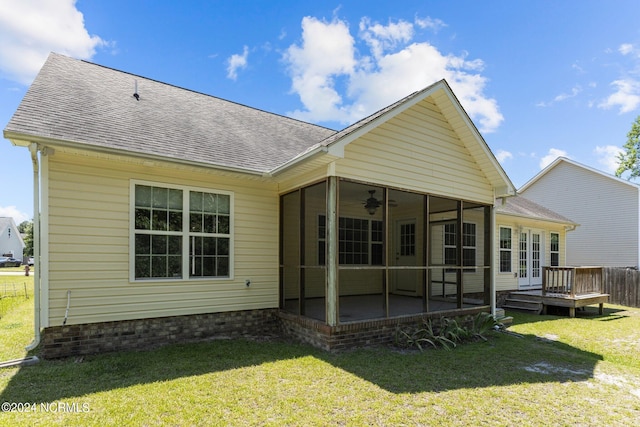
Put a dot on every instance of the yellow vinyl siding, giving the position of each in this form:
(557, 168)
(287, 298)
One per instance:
(89, 243)
(509, 281)
(417, 151)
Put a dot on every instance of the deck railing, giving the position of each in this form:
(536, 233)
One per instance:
(572, 281)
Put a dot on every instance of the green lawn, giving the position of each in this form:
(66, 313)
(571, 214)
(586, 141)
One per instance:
(561, 371)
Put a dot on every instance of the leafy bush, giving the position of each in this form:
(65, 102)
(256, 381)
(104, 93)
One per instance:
(446, 333)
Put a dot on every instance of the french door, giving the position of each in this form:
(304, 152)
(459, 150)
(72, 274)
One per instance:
(530, 259)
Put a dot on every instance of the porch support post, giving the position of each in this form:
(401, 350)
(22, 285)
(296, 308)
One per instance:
(460, 247)
(426, 251)
(385, 240)
(490, 255)
(302, 260)
(331, 289)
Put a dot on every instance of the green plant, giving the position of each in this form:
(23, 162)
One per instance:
(482, 324)
(446, 334)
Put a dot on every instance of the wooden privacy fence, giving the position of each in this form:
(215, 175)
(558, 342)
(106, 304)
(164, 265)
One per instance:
(622, 285)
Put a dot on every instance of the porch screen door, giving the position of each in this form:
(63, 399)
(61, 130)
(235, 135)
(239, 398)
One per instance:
(406, 281)
(530, 258)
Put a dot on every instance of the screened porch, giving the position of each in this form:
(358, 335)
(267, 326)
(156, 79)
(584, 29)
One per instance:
(351, 251)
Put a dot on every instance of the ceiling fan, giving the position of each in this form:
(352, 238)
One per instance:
(372, 204)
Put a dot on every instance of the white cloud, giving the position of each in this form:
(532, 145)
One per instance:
(608, 157)
(382, 38)
(394, 67)
(626, 48)
(31, 29)
(553, 154)
(563, 96)
(626, 96)
(575, 91)
(236, 62)
(503, 155)
(12, 211)
(433, 24)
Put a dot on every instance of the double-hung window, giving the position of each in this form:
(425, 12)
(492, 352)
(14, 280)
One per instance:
(505, 250)
(468, 245)
(555, 249)
(180, 232)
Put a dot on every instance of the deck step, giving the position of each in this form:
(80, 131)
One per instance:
(523, 305)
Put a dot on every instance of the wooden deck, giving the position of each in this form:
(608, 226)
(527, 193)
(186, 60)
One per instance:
(571, 287)
(563, 300)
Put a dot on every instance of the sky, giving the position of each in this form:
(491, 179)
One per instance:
(539, 78)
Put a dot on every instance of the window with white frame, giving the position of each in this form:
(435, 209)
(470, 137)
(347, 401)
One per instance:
(555, 249)
(180, 232)
(468, 245)
(359, 241)
(505, 250)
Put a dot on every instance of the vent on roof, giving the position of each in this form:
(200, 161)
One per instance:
(135, 91)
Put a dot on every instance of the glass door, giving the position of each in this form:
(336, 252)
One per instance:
(530, 259)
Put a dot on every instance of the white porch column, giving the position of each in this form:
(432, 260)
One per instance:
(331, 288)
(495, 252)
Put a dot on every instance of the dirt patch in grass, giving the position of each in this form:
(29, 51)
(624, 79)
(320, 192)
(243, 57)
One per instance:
(549, 369)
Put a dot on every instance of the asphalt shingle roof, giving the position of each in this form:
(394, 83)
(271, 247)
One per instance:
(519, 206)
(81, 102)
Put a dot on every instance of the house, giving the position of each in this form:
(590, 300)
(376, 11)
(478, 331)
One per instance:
(169, 215)
(528, 237)
(11, 243)
(606, 207)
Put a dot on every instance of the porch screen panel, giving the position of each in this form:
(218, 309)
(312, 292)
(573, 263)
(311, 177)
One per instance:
(314, 250)
(290, 251)
(476, 264)
(406, 249)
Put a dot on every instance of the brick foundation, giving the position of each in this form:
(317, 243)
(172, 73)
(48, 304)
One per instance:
(356, 334)
(141, 334)
(78, 340)
(501, 296)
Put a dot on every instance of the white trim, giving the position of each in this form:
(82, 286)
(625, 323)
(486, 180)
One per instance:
(44, 238)
(184, 233)
(494, 277)
(574, 163)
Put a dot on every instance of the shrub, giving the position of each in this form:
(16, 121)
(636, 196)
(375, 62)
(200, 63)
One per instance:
(446, 333)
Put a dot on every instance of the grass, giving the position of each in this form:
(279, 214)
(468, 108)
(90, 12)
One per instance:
(582, 371)
(16, 315)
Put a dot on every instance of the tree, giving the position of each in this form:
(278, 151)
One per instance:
(26, 228)
(628, 161)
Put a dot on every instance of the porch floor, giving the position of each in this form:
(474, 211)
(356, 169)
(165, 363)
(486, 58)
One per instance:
(368, 307)
(563, 300)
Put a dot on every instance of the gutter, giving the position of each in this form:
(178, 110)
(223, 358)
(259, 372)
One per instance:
(25, 140)
(33, 149)
(492, 285)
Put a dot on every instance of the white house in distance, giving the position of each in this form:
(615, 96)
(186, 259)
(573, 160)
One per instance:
(11, 243)
(606, 207)
(170, 215)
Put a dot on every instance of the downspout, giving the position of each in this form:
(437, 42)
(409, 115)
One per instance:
(33, 149)
(492, 238)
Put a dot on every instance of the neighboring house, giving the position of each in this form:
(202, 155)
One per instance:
(606, 207)
(170, 215)
(11, 243)
(529, 237)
